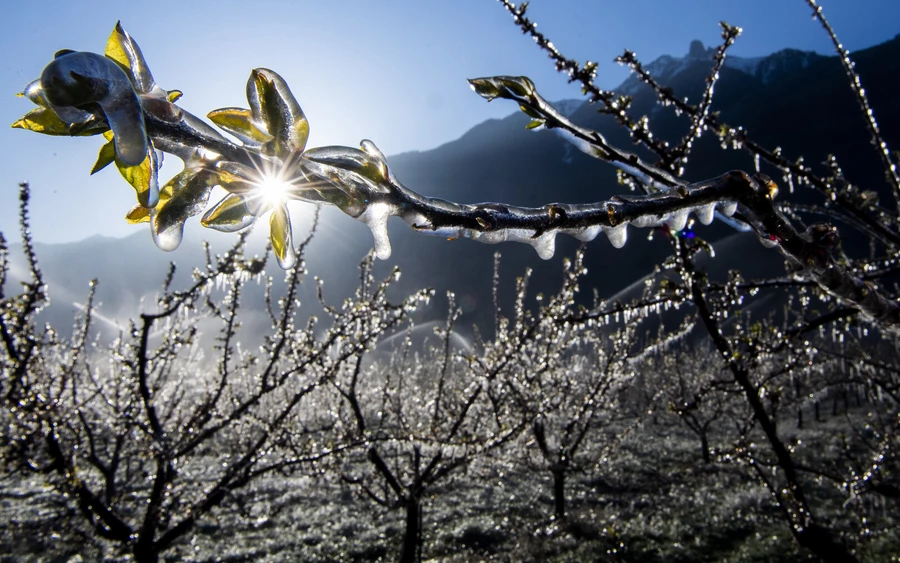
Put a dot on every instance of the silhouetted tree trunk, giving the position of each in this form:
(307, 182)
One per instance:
(412, 538)
(559, 492)
(806, 531)
(144, 554)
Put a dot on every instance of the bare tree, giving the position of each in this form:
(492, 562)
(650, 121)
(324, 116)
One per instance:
(419, 420)
(567, 383)
(411, 429)
(148, 437)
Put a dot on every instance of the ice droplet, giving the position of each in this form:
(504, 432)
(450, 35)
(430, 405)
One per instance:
(646, 221)
(586, 234)
(705, 213)
(545, 245)
(767, 242)
(617, 235)
(375, 217)
(169, 239)
(727, 208)
(678, 219)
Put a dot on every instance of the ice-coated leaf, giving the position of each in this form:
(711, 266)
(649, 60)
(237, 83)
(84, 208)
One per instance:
(43, 120)
(350, 160)
(530, 112)
(143, 178)
(485, 88)
(237, 178)
(35, 93)
(189, 193)
(127, 123)
(369, 148)
(233, 213)
(106, 156)
(239, 122)
(174, 95)
(272, 103)
(280, 235)
(161, 108)
(140, 214)
(512, 87)
(75, 79)
(121, 48)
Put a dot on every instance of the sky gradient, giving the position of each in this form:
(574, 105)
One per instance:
(391, 71)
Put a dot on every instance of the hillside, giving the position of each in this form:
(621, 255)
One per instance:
(798, 101)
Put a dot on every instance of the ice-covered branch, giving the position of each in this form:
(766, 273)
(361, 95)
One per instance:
(86, 94)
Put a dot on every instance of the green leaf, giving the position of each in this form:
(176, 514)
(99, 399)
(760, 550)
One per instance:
(233, 213)
(121, 48)
(518, 85)
(350, 160)
(43, 120)
(143, 178)
(512, 87)
(534, 124)
(272, 103)
(190, 192)
(484, 87)
(239, 122)
(529, 111)
(106, 157)
(280, 235)
(140, 214)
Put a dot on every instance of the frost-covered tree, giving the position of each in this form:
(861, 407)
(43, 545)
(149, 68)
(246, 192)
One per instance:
(418, 421)
(85, 93)
(566, 380)
(148, 437)
(764, 370)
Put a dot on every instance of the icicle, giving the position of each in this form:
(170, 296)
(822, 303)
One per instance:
(727, 208)
(678, 219)
(585, 234)
(545, 244)
(375, 217)
(169, 239)
(705, 213)
(617, 235)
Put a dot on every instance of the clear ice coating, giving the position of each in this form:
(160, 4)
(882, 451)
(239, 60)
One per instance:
(678, 220)
(545, 244)
(617, 235)
(706, 213)
(75, 79)
(376, 217)
(78, 86)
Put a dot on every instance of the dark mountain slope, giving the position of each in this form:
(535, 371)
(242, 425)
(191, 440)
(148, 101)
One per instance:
(798, 101)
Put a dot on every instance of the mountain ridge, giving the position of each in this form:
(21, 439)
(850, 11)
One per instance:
(499, 160)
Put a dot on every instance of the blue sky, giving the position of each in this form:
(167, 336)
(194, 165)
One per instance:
(392, 71)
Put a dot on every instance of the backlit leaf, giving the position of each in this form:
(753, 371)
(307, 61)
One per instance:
(106, 157)
(280, 235)
(189, 194)
(141, 214)
(143, 178)
(233, 213)
(272, 103)
(43, 120)
(121, 48)
(239, 122)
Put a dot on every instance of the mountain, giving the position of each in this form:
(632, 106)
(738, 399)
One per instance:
(798, 101)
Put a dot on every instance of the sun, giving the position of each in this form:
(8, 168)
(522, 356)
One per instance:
(276, 182)
(273, 189)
